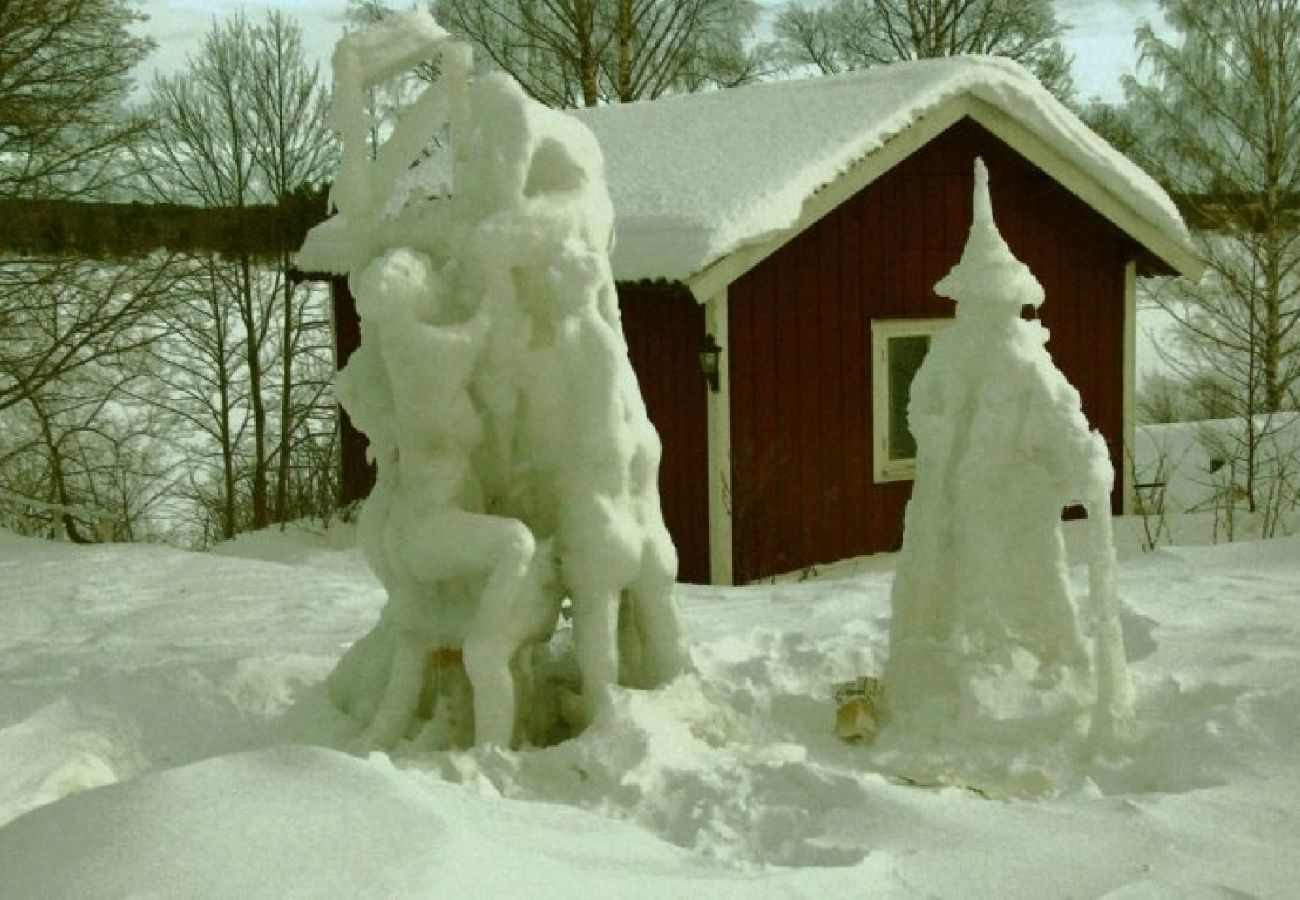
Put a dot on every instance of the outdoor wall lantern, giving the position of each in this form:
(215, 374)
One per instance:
(710, 361)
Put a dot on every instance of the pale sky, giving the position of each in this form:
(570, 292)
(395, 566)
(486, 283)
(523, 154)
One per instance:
(1100, 36)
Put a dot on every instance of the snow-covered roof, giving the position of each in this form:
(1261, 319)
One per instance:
(697, 177)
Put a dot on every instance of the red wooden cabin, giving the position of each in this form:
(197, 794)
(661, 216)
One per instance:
(799, 227)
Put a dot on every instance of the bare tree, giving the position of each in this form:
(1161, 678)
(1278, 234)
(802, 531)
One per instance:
(843, 35)
(568, 53)
(199, 150)
(126, 471)
(66, 325)
(291, 147)
(244, 125)
(58, 316)
(662, 47)
(1224, 111)
(196, 371)
(1115, 122)
(64, 71)
(72, 334)
(97, 464)
(1221, 114)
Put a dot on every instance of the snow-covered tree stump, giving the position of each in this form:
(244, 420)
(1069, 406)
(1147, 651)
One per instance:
(990, 675)
(516, 463)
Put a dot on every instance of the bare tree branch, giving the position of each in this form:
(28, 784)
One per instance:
(843, 35)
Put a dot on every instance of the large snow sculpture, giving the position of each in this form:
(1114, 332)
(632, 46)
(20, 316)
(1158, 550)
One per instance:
(990, 676)
(516, 463)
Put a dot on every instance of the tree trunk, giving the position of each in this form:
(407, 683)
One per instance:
(584, 33)
(58, 479)
(1274, 390)
(625, 38)
(224, 434)
(252, 355)
(288, 344)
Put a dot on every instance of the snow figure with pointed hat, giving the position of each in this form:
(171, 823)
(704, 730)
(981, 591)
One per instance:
(991, 680)
(516, 464)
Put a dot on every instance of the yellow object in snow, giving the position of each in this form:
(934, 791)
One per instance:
(855, 719)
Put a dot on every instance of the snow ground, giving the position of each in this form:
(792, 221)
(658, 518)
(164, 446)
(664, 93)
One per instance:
(162, 733)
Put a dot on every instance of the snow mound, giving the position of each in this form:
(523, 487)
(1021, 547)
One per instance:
(61, 749)
(307, 542)
(308, 822)
(1199, 466)
(683, 764)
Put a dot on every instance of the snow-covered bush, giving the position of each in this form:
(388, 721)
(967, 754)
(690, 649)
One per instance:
(990, 679)
(516, 463)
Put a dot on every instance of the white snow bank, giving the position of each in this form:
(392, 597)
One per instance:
(1198, 466)
(308, 822)
(60, 750)
(120, 658)
(694, 177)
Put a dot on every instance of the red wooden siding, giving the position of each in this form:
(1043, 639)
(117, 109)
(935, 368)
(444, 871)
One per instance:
(800, 335)
(357, 476)
(664, 327)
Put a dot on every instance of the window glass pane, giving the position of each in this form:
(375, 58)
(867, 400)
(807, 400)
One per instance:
(905, 354)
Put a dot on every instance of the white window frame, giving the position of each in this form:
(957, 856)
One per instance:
(883, 331)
